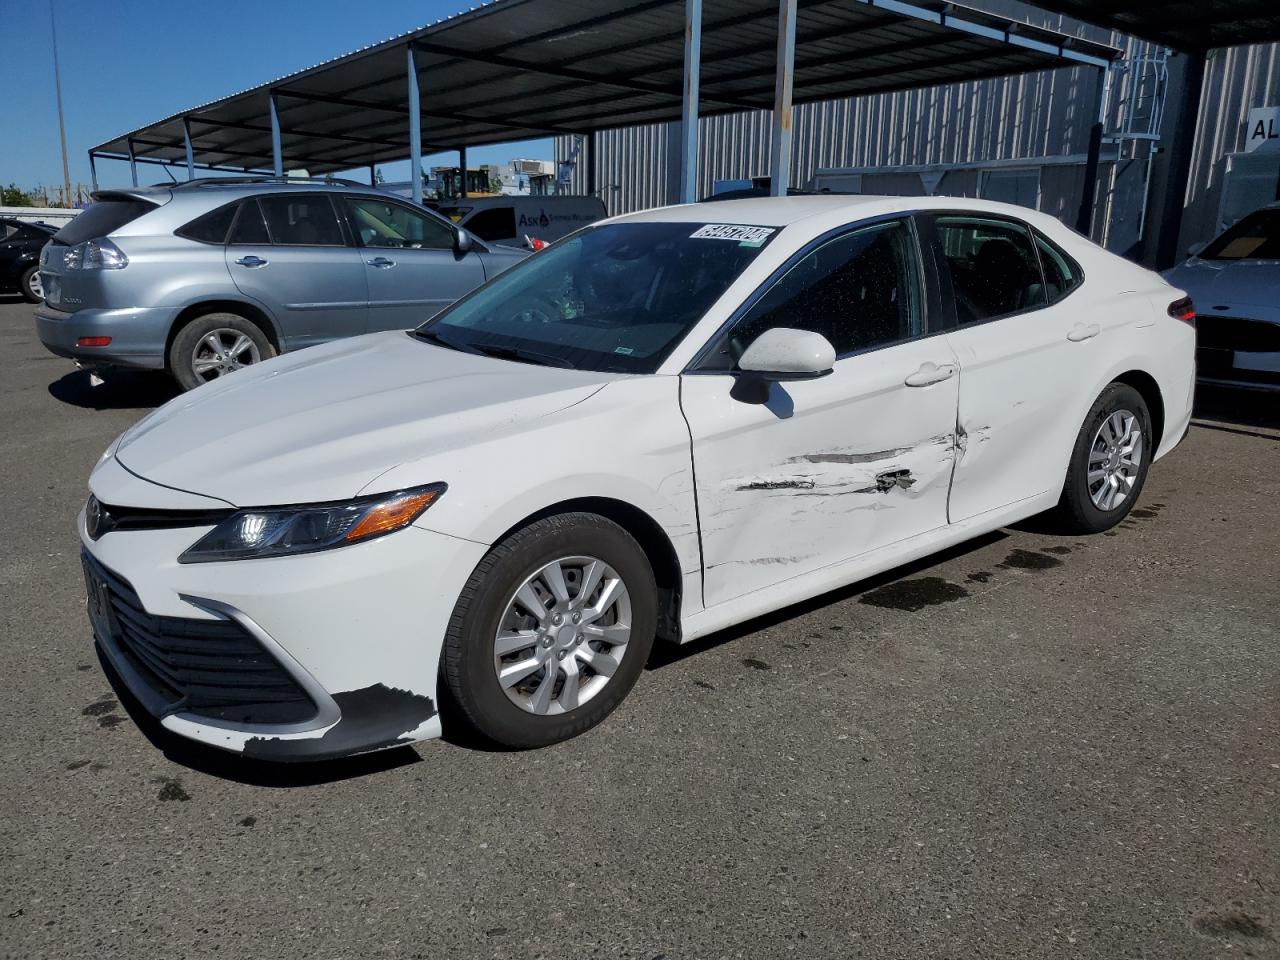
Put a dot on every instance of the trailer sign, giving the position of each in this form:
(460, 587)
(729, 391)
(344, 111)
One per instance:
(1262, 129)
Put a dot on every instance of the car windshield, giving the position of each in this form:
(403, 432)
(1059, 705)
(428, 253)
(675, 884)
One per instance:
(618, 297)
(1256, 237)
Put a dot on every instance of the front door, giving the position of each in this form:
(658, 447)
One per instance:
(412, 267)
(823, 470)
(290, 254)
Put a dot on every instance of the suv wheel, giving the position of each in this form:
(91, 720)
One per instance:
(31, 287)
(214, 345)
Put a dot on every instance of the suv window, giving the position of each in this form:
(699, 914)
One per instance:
(1061, 274)
(497, 223)
(211, 227)
(993, 265)
(859, 290)
(7, 230)
(103, 218)
(301, 220)
(384, 223)
(249, 226)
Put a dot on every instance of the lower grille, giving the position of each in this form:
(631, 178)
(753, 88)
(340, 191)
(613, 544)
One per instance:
(209, 668)
(1237, 333)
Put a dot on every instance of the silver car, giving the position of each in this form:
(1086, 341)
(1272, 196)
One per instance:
(204, 277)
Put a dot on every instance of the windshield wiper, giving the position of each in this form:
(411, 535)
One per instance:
(522, 355)
(430, 336)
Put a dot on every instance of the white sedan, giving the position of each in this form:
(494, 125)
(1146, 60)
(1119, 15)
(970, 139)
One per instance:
(663, 425)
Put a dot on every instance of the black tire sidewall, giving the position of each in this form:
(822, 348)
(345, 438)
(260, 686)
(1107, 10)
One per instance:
(467, 659)
(179, 359)
(1076, 506)
(24, 285)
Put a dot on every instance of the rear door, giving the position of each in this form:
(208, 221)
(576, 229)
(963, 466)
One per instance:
(1024, 349)
(412, 267)
(290, 253)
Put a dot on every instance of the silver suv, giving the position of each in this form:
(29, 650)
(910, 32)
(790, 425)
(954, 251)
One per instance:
(204, 277)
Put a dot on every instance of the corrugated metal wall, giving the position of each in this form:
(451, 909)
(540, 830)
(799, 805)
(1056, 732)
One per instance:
(1026, 116)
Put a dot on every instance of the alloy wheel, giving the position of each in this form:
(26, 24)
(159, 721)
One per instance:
(562, 635)
(36, 285)
(1115, 460)
(223, 351)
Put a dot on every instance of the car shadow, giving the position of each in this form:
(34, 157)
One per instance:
(1235, 410)
(123, 390)
(249, 770)
(665, 654)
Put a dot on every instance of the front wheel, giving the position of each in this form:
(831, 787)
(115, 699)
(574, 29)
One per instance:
(30, 286)
(215, 345)
(551, 631)
(1108, 463)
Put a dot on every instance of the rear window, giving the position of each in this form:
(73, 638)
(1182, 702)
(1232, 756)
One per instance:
(1256, 237)
(103, 218)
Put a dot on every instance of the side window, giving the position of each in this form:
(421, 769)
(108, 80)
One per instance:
(1061, 275)
(859, 290)
(211, 227)
(993, 265)
(301, 220)
(380, 223)
(496, 223)
(7, 230)
(249, 226)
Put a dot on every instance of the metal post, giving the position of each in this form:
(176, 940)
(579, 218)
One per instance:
(780, 159)
(462, 166)
(373, 175)
(1186, 116)
(689, 102)
(1089, 192)
(277, 151)
(133, 164)
(191, 156)
(591, 163)
(415, 129)
(93, 173)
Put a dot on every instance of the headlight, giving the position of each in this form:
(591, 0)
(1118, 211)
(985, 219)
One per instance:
(280, 531)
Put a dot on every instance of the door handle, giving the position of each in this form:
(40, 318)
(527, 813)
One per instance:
(1083, 331)
(381, 262)
(931, 372)
(251, 261)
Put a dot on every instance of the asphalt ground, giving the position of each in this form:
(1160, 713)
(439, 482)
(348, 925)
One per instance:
(1032, 746)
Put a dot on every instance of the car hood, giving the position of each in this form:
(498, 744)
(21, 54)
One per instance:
(1228, 283)
(321, 424)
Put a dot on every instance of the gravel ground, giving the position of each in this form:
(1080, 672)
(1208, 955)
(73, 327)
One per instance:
(1032, 746)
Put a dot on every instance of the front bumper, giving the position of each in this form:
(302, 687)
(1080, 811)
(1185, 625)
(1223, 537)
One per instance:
(138, 335)
(356, 631)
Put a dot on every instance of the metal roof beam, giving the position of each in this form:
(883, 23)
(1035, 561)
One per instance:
(294, 132)
(403, 111)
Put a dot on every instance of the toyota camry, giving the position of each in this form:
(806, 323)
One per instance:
(662, 425)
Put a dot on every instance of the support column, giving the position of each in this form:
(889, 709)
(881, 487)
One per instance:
(373, 175)
(1089, 193)
(133, 164)
(689, 102)
(462, 166)
(191, 156)
(780, 158)
(591, 163)
(1178, 170)
(277, 152)
(93, 173)
(415, 129)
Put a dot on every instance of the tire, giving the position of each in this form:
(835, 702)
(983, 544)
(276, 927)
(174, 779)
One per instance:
(1078, 511)
(193, 346)
(470, 660)
(29, 285)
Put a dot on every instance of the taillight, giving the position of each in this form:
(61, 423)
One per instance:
(1183, 310)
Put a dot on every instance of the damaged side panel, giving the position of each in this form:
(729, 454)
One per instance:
(824, 470)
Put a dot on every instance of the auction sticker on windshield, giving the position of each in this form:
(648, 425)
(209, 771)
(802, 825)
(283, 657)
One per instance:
(745, 235)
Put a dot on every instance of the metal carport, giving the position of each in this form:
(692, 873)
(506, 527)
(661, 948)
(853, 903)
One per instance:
(516, 69)
(1193, 28)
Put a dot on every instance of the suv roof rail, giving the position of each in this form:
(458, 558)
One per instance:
(265, 178)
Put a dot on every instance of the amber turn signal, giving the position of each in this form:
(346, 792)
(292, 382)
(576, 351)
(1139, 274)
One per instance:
(392, 514)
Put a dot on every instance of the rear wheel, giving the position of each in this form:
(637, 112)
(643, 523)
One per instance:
(31, 287)
(1108, 463)
(215, 345)
(552, 631)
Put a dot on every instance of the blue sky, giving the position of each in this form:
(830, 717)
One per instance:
(126, 63)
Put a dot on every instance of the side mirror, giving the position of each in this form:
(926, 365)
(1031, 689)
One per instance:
(462, 241)
(1195, 248)
(784, 353)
